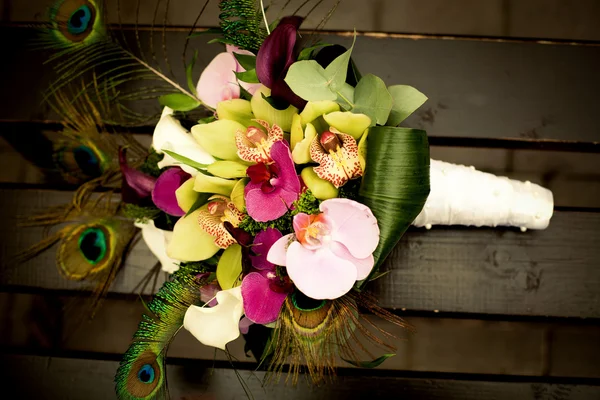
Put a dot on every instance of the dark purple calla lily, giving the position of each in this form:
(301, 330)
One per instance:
(137, 186)
(163, 194)
(275, 57)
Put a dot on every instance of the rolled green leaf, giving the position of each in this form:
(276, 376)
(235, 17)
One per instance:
(395, 184)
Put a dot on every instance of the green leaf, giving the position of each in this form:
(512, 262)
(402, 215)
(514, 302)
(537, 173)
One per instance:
(308, 80)
(222, 41)
(179, 102)
(372, 98)
(346, 97)
(306, 53)
(247, 76)
(370, 364)
(337, 71)
(407, 100)
(189, 70)
(395, 184)
(200, 201)
(246, 61)
(217, 31)
(186, 161)
(244, 94)
(207, 120)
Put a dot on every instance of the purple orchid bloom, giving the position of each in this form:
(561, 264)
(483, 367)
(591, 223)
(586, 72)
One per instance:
(273, 187)
(163, 194)
(264, 292)
(137, 186)
(275, 57)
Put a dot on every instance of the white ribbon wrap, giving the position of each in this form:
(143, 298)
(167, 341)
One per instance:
(462, 195)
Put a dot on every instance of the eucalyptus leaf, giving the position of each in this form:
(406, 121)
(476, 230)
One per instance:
(186, 161)
(247, 76)
(189, 70)
(248, 62)
(372, 98)
(407, 100)
(346, 97)
(308, 80)
(370, 364)
(306, 53)
(395, 184)
(337, 71)
(179, 102)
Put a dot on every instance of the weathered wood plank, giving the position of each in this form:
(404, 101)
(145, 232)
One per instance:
(439, 344)
(499, 271)
(476, 89)
(69, 379)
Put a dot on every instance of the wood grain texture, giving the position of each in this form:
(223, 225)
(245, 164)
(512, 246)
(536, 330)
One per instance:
(475, 89)
(55, 323)
(479, 270)
(70, 379)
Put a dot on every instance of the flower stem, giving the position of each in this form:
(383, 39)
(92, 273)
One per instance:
(262, 9)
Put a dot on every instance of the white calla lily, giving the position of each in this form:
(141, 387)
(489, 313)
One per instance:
(216, 326)
(157, 241)
(170, 135)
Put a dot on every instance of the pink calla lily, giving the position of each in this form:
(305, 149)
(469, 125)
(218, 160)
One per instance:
(163, 194)
(330, 251)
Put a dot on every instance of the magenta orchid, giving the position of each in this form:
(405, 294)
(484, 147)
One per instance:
(275, 57)
(163, 194)
(273, 186)
(330, 251)
(264, 292)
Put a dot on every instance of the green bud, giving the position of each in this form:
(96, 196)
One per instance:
(229, 268)
(186, 195)
(218, 138)
(297, 133)
(213, 184)
(301, 153)
(227, 169)
(314, 109)
(237, 110)
(263, 110)
(320, 188)
(348, 122)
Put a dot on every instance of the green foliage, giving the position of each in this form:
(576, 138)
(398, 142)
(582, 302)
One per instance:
(189, 69)
(195, 267)
(246, 61)
(307, 203)
(307, 53)
(139, 213)
(407, 100)
(283, 224)
(395, 184)
(372, 98)
(350, 190)
(186, 161)
(241, 24)
(179, 102)
(370, 364)
(150, 165)
(248, 76)
(314, 83)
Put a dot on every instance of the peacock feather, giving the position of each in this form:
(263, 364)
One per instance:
(241, 23)
(142, 374)
(313, 334)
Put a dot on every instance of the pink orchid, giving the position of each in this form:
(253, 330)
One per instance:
(330, 251)
(273, 186)
(264, 292)
(218, 81)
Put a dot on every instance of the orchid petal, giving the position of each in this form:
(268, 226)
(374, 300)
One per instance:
(288, 179)
(340, 165)
(353, 225)
(163, 194)
(264, 207)
(262, 244)
(319, 274)
(218, 80)
(216, 326)
(245, 324)
(190, 242)
(277, 252)
(262, 305)
(136, 185)
(157, 240)
(363, 265)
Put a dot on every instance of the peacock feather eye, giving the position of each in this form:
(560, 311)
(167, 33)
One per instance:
(305, 303)
(88, 161)
(146, 374)
(75, 19)
(93, 245)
